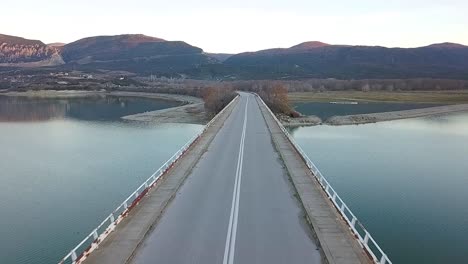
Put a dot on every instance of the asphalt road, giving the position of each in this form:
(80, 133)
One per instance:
(236, 206)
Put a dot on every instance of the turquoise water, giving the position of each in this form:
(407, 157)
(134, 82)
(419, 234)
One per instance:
(406, 180)
(64, 170)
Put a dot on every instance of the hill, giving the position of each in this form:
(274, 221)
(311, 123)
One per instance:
(320, 60)
(110, 47)
(136, 53)
(145, 55)
(20, 50)
(309, 45)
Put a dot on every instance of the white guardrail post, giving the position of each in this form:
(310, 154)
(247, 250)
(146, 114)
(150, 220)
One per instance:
(95, 238)
(340, 205)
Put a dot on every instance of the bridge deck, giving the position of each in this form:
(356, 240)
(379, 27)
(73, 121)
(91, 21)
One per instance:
(119, 246)
(237, 204)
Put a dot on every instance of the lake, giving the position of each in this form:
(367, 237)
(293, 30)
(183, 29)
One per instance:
(406, 180)
(327, 110)
(67, 163)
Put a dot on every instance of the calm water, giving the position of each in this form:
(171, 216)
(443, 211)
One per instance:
(66, 164)
(95, 108)
(406, 181)
(327, 110)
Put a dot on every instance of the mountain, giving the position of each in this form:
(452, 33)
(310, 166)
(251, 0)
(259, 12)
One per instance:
(137, 53)
(320, 60)
(309, 45)
(446, 45)
(103, 48)
(145, 55)
(16, 50)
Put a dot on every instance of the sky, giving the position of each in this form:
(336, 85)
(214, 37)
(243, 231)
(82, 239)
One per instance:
(243, 25)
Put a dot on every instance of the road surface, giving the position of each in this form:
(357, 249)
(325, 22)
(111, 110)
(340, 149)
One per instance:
(236, 206)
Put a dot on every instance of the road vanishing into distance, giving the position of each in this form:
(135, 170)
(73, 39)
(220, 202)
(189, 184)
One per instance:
(241, 193)
(236, 206)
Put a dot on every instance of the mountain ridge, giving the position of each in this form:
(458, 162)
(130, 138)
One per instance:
(310, 45)
(105, 47)
(15, 49)
(445, 60)
(143, 54)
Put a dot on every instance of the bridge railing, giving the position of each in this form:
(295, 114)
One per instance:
(357, 228)
(92, 241)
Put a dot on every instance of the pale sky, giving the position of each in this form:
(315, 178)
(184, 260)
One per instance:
(243, 25)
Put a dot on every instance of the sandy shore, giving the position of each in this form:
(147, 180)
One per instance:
(192, 111)
(301, 121)
(79, 94)
(387, 116)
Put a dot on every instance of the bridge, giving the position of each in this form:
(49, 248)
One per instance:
(240, 191)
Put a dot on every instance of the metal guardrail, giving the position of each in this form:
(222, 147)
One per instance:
(92, 241)
(362, 235)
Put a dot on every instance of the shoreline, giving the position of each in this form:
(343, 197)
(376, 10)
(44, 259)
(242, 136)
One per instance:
(395, 115)
(378, 117)
(82, 93)
(191, 111)
(446, 97)
(311, 120)
(386, 116)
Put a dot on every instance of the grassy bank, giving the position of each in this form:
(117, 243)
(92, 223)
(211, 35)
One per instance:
(440, 97)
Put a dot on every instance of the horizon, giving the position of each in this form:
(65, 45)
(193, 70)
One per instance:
(242, 26)
(307, 41)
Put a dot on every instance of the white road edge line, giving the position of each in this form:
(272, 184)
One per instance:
(229, 248)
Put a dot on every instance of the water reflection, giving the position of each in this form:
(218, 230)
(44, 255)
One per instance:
(60, 178)
(14, 109)
(102, 108)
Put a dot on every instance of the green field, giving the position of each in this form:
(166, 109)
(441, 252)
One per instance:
(441, 97)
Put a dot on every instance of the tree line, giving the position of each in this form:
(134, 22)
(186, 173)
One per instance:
(218, 94)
